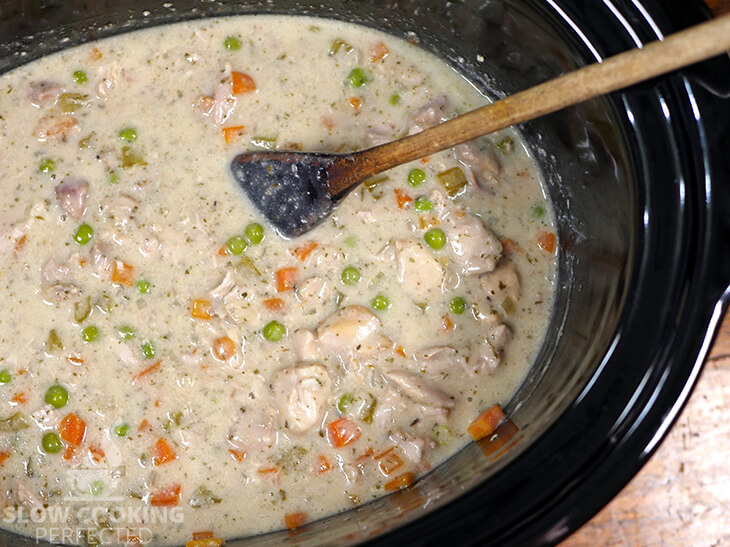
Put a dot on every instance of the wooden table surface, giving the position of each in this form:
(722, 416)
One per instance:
(682, 495)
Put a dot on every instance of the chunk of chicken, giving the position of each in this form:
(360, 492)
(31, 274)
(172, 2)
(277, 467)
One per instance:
(120, 209)
(101, 260)
(315, 293)
(486, 353)
(347, 329)
(439, 360)
(419, 271)
(429, 115)
(57, 283)
(108, 78)
(419, 390)
(482, 164)
(44, 93)
(221, 104)
(71, 195)
(503, 281)
(475, 249)
(375, 135)
(305, 345)
(302, 393)
(55, 127)
(414, 448)
(389, 410)
(254, 427)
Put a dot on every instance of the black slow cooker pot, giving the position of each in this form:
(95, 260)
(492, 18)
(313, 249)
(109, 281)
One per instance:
(641, 184)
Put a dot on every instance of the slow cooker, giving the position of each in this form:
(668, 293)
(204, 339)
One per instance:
(641, 185)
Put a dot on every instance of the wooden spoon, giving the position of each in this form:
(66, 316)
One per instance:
(295, 191)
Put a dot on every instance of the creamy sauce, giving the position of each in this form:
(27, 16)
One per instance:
(249, 389)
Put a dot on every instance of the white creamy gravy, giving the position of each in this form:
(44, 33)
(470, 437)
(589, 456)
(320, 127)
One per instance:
(173, 407)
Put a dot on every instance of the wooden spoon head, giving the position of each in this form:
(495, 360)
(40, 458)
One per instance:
(290, 189)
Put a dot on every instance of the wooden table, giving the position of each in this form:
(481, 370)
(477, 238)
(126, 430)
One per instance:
(682, 495)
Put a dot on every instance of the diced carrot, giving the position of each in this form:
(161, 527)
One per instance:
(207, 542)
(428, 221)
(343, 432)
(201, 309)
(355, 103)
(69, 453)
(75, 359)
(328, 122)
(425, 159)
(19, 399)
(285, 279)
(274, 304)
(509, 246)
(389, 461)
(144, 426)
(378, 52)
(4, 456)
(400, 351)
(137, 377)
(402, 198)
(163, 452)
(223, 251)
(72, 429)
(486, 423)
(203, 535)
(223, 348)
(95, 54)
(123, 273)
(546, 241)
(303, 251)
(166, 497)
(504, 433)
(295, 520)
(20, 244)
(400, 482)
(367, 455)
(271, 473)
(323, 464)
(232, 133)
(96, 454)
(130, 539)
(238, 455)
(242, 83)
(447, 325)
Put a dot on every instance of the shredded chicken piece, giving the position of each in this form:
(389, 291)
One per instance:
(438, 360)
(429, 115)
(486, 353)
(315, 293)
(418, 389)
(419, 271)
(71, 195)
(482, 164)
(301, 394)
(414, 448)
(474, 247)
(305, 345)
(345, 331)
(108, 79)
(503, 281)
(44, 93)
(55, 127)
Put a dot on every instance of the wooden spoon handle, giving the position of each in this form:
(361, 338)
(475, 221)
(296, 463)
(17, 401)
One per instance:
(678, 50)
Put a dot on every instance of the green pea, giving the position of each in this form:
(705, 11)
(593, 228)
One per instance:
(357, 77)
(394, 99)
(254, 233)
(236, 245)
(126, 332)
(121, 430)
(537, 211)
(57, 396)
(83, 234)
(96, 488)
(344, 402)
(458, 305)
(127, 134)
(112, 177)
(231, 43)
(416, 177)
(148, 350)
(143, 286)
(90, 333)
(350, 276)
(381, 303)
(47, 165)
(80, 77)
(351, 241)
(423, 204)
(51, 443)
(435, 238)
(274, 331)
(5, 376)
